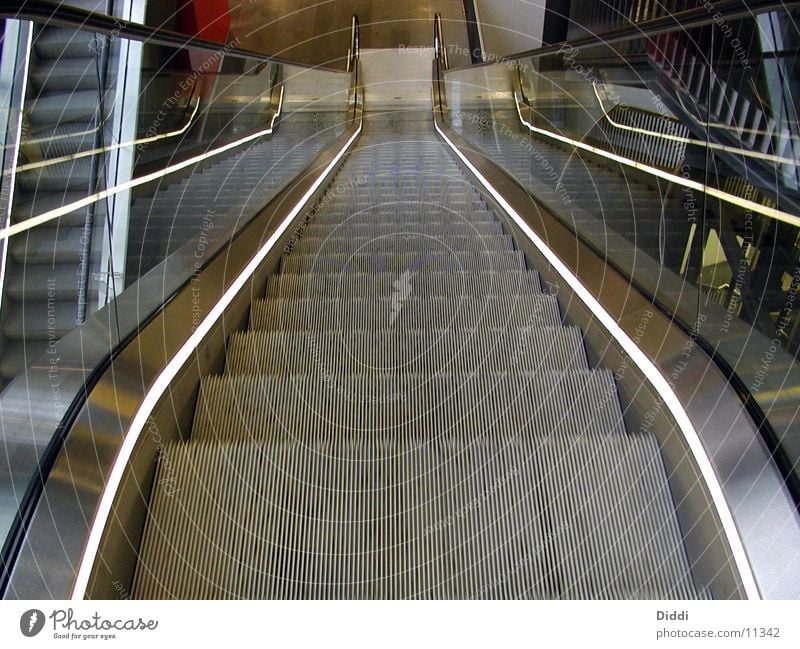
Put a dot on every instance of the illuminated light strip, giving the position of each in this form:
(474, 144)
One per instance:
(687, 140)
(31, 223)
(650, 371)
(110, 147)
(752, 206)
(169, 373)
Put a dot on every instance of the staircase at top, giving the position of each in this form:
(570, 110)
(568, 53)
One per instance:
(407, 416)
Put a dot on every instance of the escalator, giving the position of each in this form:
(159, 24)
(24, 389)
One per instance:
(407, 415)
(62, 119)
(440, 350)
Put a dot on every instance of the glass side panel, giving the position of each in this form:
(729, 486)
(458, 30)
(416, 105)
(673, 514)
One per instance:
(677, 159)
(127, 164)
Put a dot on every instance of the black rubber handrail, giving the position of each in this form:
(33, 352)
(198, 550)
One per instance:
(52, 13)
(688, 19)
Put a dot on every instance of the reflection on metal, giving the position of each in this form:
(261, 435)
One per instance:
(645, 366)
(688, 140)
(752, 206)
(112, 147)
(170, 371)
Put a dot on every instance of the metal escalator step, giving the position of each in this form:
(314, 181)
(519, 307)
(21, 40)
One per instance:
(434, 351)
(38, 282)
(346, 286)
(39, 320)
(54, 43)
(17, 355)
(461, 312)
(406, 262)
(411, 218)
(460, 406)
(66, 74)
(58, 108)
(48, 246)
(429, 227)
(376, 519)
(60, 139)
(72, 176)
(409, 242)
(43, 202)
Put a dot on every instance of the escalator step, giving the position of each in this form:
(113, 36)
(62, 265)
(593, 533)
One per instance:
(346, 286)
(505, 518)
(407, 352)
(323, 405)
(412, 312)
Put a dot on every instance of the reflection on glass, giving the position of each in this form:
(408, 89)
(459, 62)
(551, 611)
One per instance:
(130, 150)
(677, 158)
(125, 166)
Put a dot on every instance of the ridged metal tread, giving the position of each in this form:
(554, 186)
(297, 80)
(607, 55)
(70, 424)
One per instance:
(479, 261)
(461, 407)
(429, 227)
(42, 281)
(401, 213)
(511, 518)
(404, 243)
(451, 201)
(345, 286)
(405, 352)
(489, 312)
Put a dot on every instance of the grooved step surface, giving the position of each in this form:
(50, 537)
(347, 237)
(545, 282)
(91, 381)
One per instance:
(414, 351)
(410, 313)
(385, 285)
(422, 406)
(503, 518)
(428, 260)
(407, 416)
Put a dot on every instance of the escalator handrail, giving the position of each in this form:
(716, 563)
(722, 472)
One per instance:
(59, 15)
(691, 18)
